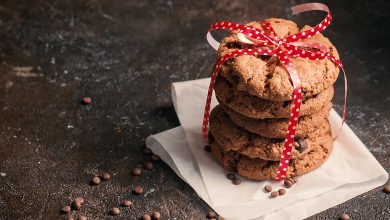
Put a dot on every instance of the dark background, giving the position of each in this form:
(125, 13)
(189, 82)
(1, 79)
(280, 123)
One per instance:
(125, 55)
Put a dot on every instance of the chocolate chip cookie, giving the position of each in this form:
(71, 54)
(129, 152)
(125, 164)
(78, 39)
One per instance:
(254, 107)
(232, 138)
(258, 169)
(277, 127)
(266, 77)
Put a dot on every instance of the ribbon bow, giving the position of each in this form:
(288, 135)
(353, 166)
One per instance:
(285, 48)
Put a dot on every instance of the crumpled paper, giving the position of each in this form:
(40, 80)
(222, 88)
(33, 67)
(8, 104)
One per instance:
(350, 170)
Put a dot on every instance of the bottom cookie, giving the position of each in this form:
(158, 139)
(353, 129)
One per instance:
(257, 169)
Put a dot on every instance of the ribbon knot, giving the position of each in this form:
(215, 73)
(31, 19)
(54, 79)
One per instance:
(284, 48)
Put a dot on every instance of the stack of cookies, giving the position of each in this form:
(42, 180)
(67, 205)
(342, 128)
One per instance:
(248, 127)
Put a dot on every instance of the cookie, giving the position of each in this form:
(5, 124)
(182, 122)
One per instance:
(258, 169)
(235, 139)
(277, 127)
(254, 107)
(266, 77)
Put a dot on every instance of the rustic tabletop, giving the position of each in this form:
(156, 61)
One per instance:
(124, 55)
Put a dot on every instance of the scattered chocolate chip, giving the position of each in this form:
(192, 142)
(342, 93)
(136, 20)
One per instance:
(66, 209)
(76, 204)
(106, 176)
(136, 171)
(386, 189)
(149, 165)
(344, 216)
(127, 203)
(302, 145)
(115, 211)
(147, 151)
(237, 181)
(275, 194)
(268, 188)
(288, 183)
(291, 179)
(220, 218)
(282, 192)
(138, 190)
(156, 215)
(146, 217)
(231, 176)
(211, 214)
(80, 199)
(207, 148)
(81, 217)
(95, 180)
(87, 100)
(155, 157)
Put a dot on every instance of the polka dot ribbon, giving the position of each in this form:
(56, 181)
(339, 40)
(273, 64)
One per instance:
(284, 49)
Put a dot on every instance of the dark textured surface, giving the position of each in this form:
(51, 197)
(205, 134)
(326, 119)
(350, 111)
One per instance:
(125, 54)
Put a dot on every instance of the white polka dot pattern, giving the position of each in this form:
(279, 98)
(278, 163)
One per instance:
(285, 48)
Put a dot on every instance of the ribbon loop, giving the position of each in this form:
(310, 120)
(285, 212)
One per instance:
(285, 48)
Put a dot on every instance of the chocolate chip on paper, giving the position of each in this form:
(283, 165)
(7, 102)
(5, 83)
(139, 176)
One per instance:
(268, 188)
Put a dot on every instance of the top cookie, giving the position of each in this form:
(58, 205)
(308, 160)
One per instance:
(266, 77)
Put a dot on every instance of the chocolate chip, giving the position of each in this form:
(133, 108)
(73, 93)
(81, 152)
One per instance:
(282, 192)
(147, 151)
(236, 79)
(115, 211)
(138, 190)
(211, 214)
(127, 203)
(207, 148)
(155, 157)
(80, 199)
(146, 217)
(275, 194)
(237, 181)
(386, 189)
(76, 204)
(87, 100)
(291, 179)
(81, 217)
(136, 171)
(230, 176)
(149, 165)
(295, 179)
(95, 180)
(156, 215)
(268, 188)
(288, 183)
(66, 209)
(344, 216)
(106, 176)
(302, 146)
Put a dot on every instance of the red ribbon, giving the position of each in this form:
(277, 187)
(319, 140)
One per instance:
(285, 48)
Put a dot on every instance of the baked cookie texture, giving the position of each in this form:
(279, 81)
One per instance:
(233, 138)
(254, 107)
(266, 78)
(277, 127)
(258, 169)
(247, 129)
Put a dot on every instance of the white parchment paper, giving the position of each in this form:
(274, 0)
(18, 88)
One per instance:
(350, 170)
